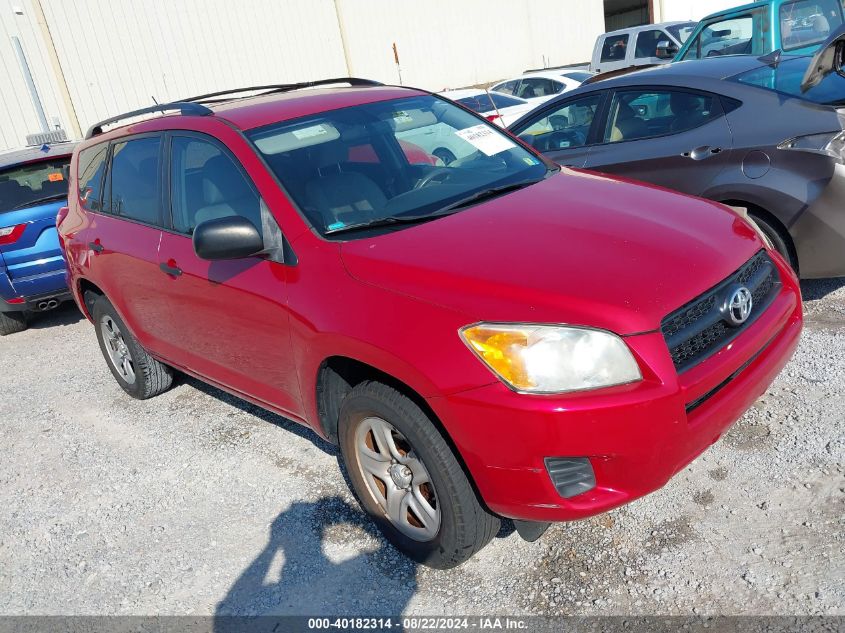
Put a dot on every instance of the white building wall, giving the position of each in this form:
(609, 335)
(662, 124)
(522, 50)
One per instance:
(17, 113)
(444, 43)
(118, 55)
(673, 10)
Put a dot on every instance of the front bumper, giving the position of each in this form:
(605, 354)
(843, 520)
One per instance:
(635, 436)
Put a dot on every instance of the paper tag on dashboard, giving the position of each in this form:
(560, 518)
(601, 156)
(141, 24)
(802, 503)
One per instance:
(485, 139)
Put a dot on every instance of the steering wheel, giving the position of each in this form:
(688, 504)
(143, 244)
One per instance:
(574, 138)
(714, 53)
(434, 176)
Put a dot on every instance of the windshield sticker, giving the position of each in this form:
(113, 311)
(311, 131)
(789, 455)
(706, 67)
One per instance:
(55, 177)
(530, 161)
(335, 225)
(310, 132)
(485, 139)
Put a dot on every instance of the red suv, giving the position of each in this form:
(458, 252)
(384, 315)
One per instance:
(498, 337)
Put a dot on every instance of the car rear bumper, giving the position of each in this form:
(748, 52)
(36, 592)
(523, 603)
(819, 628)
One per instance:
(636, 437)
(819, 232)
(36, 303)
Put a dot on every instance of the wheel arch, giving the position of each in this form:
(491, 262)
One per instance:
(87, 293)
(337, 375)
(770, 218)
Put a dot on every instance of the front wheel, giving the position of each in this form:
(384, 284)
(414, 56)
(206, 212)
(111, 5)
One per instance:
(408, 480)
(138, 373)
(12, 322)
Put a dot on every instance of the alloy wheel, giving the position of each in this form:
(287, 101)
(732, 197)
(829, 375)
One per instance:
(397, 479)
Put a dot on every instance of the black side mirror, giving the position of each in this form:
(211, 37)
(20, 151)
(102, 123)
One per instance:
(232, 237)
(666, 49)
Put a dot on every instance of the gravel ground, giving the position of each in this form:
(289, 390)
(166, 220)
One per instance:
(198, 503)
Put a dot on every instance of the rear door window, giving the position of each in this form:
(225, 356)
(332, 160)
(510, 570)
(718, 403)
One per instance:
(206, 184)
(134, 180)
(91, 167)
(615, 47)
(637, 114)
(539, 87)
(33, 184)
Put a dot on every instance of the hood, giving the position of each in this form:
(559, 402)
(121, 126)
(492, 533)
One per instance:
(576, 248)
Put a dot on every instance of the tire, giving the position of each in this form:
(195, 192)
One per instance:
(443, 523)
(143, 377)
(12, 323)
(444, 155)
(778, 240)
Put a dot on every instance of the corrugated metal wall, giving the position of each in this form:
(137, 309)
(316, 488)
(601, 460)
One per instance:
(444, 43)
(117, 55)
(17, 113)
(694, 9)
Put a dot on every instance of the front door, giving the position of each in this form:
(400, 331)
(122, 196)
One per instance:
(563, 131)
(226, 320)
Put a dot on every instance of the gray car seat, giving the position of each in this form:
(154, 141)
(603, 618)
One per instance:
(339, 195)
(628, 125)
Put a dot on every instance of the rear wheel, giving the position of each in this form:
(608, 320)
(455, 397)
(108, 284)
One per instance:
(138, 373)
(408, 479)
(12, 322)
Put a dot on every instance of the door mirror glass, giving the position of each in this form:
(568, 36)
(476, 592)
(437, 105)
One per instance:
(230, 237)
(666, 49)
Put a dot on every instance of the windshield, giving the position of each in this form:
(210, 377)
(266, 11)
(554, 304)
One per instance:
(681, 32)
(787, 76)
(31, 184)
(405, 157)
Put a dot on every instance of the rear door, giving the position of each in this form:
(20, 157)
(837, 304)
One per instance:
(565, 130)
(645, 48)
(124, 229)
(673, 137)
(30, 197)
(225, 320)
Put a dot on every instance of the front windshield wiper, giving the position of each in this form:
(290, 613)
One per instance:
(486, 194)
(32, 203)
(388, 221)
(450, 209)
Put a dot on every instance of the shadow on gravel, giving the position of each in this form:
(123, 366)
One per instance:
(66, 314)
(815, 289)
(369, 583)
(260, 413)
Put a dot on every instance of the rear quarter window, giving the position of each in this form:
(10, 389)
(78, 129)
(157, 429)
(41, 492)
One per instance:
(90, 167)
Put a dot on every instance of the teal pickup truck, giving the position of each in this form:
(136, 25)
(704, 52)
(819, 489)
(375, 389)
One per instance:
(795, 27)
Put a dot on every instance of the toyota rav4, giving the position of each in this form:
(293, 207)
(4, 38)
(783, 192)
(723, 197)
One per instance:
(496, 337)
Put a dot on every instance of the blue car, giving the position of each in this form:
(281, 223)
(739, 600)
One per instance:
(33, 187)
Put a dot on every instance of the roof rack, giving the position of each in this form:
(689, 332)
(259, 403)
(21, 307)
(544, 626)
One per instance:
(269, 89)
(183, 108)
(192, 105)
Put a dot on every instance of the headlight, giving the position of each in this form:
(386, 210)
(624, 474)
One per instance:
(550, 358)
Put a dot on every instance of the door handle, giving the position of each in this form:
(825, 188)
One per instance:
(700, 153)
(170, 268)
(96, 246)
